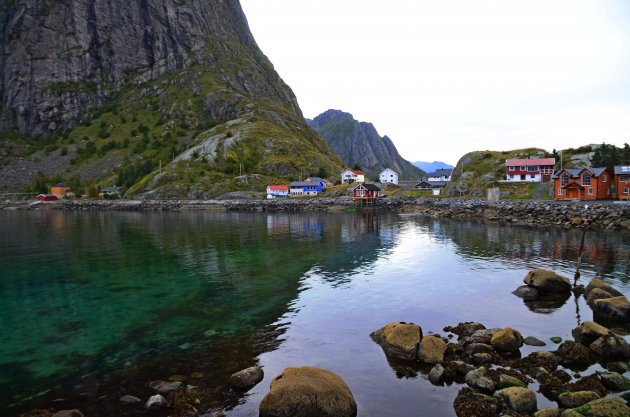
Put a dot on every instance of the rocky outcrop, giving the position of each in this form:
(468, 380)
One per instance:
(308, 391)
(359, 143)
(62, 57)
(547, 282)
(399, 339)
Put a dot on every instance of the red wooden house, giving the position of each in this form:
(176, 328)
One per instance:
(366, 191)
(583, 184)
(622, 181)
(47, 197)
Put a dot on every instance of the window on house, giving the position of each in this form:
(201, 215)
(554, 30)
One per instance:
(512, 168)
(604, 178)
(560, 191)
(590, 191)
(532, 176)
(564, 179)
(626, 190)
(532, 168)
(586, 179)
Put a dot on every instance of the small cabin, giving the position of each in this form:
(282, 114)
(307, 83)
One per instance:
(279, 190)
(366, 191)
(47, 197)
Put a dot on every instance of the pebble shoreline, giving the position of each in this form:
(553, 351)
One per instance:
(607, 215)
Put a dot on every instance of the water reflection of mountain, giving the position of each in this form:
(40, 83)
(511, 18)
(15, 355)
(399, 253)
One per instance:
(126, 286)
(605, 254)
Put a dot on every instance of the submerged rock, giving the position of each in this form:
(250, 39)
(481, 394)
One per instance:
(247, 378)
(129, 399)
(163, 387)
(437, 374)
(306, 392)
(506, 381)
(155, 402)
(526, 292)
(68, 413)
(533, 341)
(547, 281)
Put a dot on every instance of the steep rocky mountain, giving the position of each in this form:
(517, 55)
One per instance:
(359, 143)
(432, 166)
(160, 96)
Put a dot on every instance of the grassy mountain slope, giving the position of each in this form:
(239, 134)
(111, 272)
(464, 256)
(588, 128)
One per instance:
(190, 132)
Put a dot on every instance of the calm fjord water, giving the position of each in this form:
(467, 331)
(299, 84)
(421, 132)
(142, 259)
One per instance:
(91, 297)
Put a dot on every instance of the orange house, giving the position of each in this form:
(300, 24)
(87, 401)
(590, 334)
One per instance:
(622, 181)
(60, 190)
(583, 184)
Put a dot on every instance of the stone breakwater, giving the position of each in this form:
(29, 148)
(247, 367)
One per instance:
(601, 215)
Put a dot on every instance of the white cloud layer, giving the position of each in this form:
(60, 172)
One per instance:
(443, 78)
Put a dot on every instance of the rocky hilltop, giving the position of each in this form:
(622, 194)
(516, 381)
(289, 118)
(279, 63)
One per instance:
(359, 143)
(110, 83)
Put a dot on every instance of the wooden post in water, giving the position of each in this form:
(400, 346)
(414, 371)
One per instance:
(580, 252)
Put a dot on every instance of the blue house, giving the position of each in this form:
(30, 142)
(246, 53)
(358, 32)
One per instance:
(302, 188)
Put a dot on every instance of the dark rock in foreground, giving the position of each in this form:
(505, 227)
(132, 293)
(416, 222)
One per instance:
(247, 378)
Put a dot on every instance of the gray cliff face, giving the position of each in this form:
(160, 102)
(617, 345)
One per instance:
(359, 143)
(61, 57)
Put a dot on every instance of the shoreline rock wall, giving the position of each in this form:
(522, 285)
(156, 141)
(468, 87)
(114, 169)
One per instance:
(602, 215)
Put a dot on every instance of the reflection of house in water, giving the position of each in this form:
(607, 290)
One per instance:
(295, 225)
(277, 224)
(358, 225)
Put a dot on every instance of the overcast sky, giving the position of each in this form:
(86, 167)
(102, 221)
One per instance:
(442, 78)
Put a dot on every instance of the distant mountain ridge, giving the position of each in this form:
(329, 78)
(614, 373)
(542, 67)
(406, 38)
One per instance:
(432, 166)
(359, 143)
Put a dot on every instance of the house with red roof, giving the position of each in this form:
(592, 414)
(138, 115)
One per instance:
(583, 184)
(352, 175)
(274, 191)
(529, 170)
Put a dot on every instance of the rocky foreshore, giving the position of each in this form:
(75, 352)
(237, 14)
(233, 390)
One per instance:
(601, 214)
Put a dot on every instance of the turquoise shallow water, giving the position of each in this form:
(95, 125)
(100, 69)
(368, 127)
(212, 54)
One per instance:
(86, 297)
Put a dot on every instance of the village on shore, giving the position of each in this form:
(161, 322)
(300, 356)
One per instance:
(586, 183)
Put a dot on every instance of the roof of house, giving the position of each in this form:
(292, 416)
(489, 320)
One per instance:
(357, 172)
(369, 187)
(60, 184)
(388, 169)
(622, 169)
(441, 172)
(47, 195)
(302, 184)
(278, 187)
(530, 162)
(314, 179)
(576, 172)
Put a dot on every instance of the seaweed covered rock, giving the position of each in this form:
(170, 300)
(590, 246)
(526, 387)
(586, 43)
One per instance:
(470, 403)
(614, 309)
(574, 355)
(306, 392)
(576, 399)
(604, 407)
(611, 347)
(465, 329)
(547, 281)
(399, 339)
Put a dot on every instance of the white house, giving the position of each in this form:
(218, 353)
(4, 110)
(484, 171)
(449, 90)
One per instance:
(352, 175)
(441, 174)
(530, 169)
(274, 191)
(388, 176)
